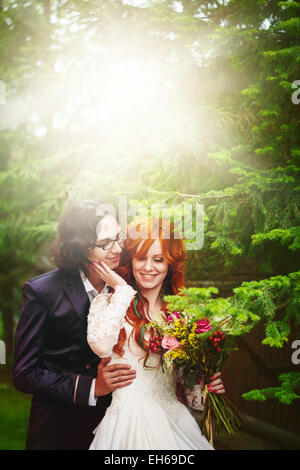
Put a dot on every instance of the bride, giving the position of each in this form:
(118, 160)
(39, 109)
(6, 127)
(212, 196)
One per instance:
(146, 414)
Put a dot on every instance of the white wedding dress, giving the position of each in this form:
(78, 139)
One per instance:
(145, 415)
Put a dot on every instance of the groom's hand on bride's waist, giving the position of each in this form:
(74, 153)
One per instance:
(112, 376)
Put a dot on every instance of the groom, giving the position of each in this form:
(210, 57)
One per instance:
(53, 361)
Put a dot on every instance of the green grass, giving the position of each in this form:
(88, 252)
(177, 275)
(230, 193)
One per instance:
(14, 411)
(14, 415)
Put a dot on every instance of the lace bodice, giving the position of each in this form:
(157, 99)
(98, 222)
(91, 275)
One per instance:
(105, 319)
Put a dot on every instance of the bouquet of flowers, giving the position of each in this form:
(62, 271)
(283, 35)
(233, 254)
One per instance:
(195, 338)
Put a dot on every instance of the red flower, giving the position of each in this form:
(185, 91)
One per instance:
(203, 326)
(170, 318)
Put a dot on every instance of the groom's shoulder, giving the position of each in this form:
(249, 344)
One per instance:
(49, 276)
(50, 279)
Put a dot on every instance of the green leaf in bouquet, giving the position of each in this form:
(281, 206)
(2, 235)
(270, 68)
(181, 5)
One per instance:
(190, 379)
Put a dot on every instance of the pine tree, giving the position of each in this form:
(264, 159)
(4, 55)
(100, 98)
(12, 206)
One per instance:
(232, 143)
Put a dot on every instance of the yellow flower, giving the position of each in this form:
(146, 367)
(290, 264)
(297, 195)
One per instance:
(179, 354)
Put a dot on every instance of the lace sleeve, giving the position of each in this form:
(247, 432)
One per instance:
(106, 317)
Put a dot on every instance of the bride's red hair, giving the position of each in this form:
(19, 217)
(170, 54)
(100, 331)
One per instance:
(140, 236)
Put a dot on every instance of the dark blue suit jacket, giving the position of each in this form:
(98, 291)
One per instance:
(54, 362)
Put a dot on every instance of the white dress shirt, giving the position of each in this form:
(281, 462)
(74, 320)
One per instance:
(91, 292)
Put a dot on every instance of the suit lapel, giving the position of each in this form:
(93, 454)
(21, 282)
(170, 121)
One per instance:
(76, 293)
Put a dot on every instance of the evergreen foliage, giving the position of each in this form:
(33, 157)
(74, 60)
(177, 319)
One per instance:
(235, 148)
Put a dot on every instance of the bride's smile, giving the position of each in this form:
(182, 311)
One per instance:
(150, 269)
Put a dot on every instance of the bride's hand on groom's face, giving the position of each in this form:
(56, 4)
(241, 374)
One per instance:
(113, 376)
(106, 274)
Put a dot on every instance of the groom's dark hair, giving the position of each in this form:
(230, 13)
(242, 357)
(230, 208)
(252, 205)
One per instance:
(77, 234)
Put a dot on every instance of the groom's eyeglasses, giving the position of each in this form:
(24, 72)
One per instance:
(110, 243)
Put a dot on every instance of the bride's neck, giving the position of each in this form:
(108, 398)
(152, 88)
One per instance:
(154, 299)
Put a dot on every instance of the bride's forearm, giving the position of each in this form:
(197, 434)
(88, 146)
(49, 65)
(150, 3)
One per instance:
(106, 318)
